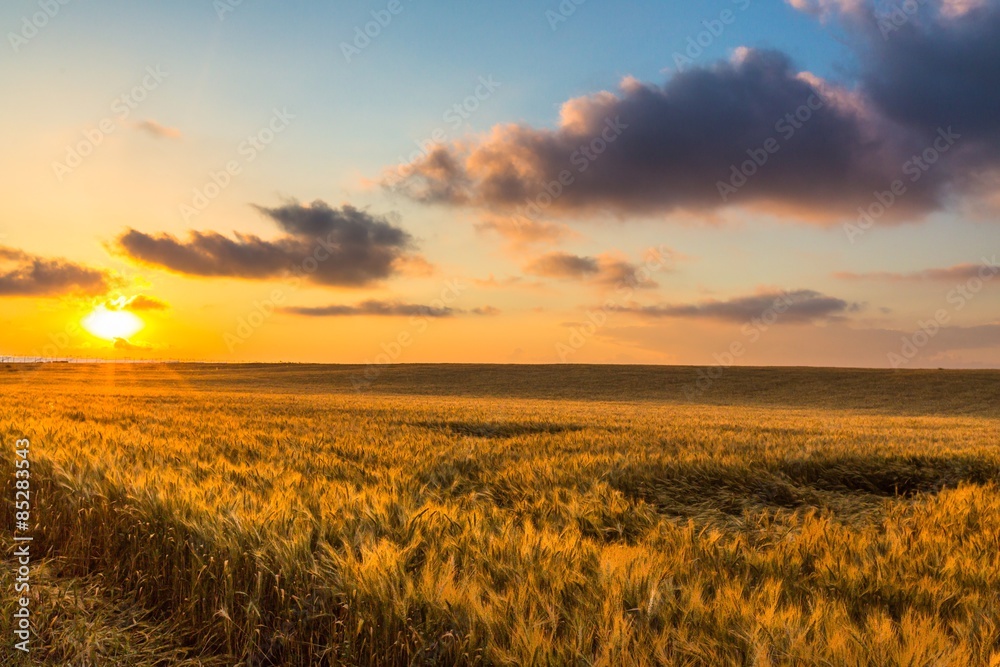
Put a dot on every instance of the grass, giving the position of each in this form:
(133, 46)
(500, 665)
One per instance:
(260, 515)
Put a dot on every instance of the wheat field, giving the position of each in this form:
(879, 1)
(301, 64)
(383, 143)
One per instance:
(502, 515)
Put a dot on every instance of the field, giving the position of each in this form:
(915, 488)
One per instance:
(504, 515)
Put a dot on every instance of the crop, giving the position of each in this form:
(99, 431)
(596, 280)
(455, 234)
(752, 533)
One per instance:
(262, 515)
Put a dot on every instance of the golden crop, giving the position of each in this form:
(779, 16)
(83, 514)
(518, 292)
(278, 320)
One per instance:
(507, 516)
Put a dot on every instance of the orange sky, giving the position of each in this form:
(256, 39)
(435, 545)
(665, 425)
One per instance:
(165, 185)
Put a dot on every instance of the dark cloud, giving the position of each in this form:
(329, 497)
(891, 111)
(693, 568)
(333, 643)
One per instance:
(928, 65)
(787, 307)
(22, 274)
(486, 310)
(373, 307)
(666, 148)
(934, 67)
(677, 142)
(328, 246)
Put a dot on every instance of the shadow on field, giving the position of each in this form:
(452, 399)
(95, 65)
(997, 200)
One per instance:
(497, 429)
(843, 484)
(894, 392)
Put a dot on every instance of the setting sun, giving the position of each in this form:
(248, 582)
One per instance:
(112, 324)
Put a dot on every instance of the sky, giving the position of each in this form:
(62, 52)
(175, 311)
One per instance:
(729, 182)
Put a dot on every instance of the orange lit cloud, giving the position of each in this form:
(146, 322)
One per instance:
(137, 303)
(521, 232)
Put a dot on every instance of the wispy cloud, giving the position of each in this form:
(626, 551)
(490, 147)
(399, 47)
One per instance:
(373, 307)
(957, 273)
(606, 269)
(562, 265)
(157, 130)
(789, 307)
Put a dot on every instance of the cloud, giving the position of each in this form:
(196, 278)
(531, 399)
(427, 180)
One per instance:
(152, 127)
(606, 269)
(677, 142)
(934, 66)
(957, 274)
(414, 266)
(486, 310)
(344, 247)
(521, 232)
(22, 274)
(137, 303)
(927, 65)
(650, 149)
(123, 344)
(866, 9)
(787, 307)
(562, 265)
(614, 271)
(492, 282)
(826, 9)
(373, 307)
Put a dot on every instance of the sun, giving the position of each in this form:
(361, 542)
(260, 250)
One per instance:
(112, 324)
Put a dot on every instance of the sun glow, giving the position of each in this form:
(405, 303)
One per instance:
(112, 324)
